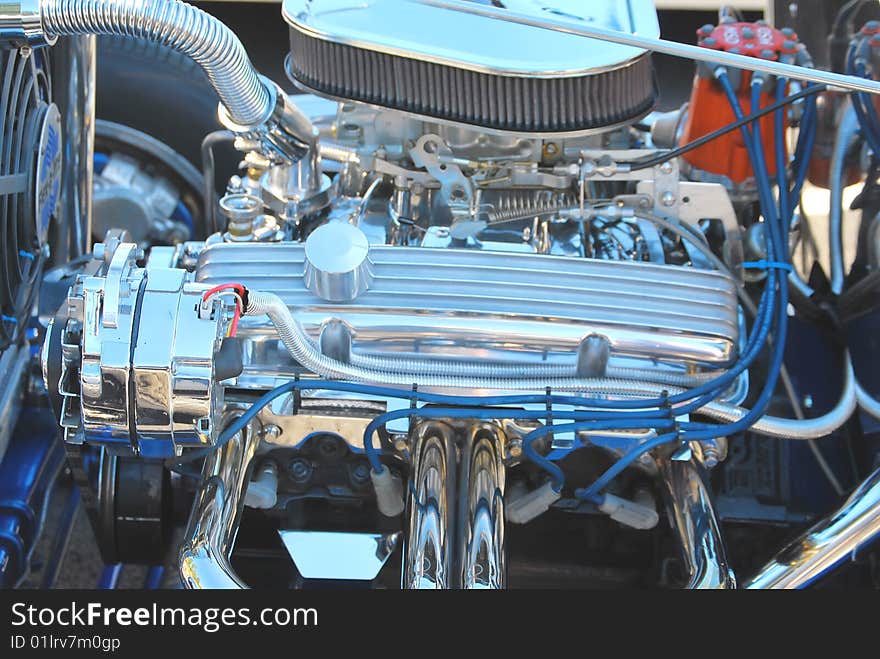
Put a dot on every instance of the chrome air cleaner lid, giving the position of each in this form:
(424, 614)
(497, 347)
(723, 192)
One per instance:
(473, 69)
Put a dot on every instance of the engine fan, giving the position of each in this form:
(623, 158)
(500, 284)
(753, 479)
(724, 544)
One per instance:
(30, 178)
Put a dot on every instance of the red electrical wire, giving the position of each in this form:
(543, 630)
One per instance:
(241, 291)
(233, 326)
(238, 288)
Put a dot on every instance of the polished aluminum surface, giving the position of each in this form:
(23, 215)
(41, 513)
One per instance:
(337, 263)
(421, 61)
(827, 544)
(482, 559)
(339, 555)
(455, 510)
(428, 551)
(563, 26)
(177, 396)
(410, 30)
(213, 524)
(470, 303)
(692, 515)
(103, 363)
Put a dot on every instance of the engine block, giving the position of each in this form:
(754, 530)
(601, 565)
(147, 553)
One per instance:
(463, 282)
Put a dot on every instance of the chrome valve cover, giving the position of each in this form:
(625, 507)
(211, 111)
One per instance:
(489, 306)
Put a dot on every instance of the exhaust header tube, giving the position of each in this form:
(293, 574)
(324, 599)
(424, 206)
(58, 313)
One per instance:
(213, 523)
(692, 516)
(428, 552)
(827, 544)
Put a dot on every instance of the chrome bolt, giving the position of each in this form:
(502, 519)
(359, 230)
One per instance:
(668, 199)
(270, 434)
(514, 448)
(235, 185)
(401, 443)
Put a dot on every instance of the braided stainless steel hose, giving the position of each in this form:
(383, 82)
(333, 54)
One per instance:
(388, 372)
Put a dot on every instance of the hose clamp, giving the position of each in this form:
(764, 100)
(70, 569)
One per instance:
(272, 92)
(285, 132)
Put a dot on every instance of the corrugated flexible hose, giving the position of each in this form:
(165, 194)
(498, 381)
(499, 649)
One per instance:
(179, 26)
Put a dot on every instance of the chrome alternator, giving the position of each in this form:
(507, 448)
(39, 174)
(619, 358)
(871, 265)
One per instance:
(140, 356)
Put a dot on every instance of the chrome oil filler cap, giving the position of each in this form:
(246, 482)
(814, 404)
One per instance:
(337, 262)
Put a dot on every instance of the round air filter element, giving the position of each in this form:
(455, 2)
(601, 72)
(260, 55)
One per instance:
(470, 69)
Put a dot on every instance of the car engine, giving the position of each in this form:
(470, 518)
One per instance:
(470, 313)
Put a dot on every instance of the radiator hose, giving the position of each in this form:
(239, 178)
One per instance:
(176, 25)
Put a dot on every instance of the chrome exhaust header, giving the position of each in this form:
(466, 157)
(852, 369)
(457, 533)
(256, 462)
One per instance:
(428, 549)
(213, 524)
(454, 521)
(692, 516)
(455, 511)
(828, 543)
(482, 557)
(455, 515)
